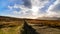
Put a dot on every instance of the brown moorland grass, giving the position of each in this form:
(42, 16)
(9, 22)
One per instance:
(10, 25)
(18, 21)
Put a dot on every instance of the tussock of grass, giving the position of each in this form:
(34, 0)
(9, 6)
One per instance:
(10, 30)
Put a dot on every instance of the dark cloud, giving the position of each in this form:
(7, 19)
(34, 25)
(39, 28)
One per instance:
(27, 3)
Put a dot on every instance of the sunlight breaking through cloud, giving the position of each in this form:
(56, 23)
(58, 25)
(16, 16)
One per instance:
(34, 8)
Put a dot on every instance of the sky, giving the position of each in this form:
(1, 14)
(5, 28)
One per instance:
(30, 8)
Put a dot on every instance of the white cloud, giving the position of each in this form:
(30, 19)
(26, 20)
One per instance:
(54, 10)
(10, 7)
(33, 12)
(29, 12)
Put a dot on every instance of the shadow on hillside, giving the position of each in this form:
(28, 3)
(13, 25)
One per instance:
(27, 29)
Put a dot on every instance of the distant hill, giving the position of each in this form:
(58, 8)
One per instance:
(48, 18)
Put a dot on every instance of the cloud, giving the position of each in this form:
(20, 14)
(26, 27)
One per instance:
(24, 11)
(54, 10)
(27, 3)
(35, 8)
